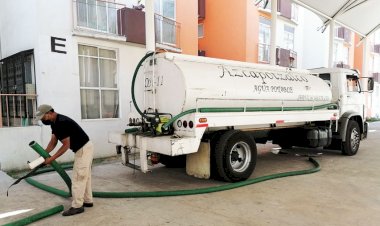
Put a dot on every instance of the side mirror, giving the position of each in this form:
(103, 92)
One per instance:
(370, 84)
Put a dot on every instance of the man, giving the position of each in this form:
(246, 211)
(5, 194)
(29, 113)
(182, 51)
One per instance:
(72, 136)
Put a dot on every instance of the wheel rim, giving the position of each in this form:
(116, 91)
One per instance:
(240, 156)
(355, 139)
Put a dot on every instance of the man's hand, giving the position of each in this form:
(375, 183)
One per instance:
(48, 161)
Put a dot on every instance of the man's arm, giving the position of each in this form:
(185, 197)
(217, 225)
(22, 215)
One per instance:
(52, 143)
(65, 146)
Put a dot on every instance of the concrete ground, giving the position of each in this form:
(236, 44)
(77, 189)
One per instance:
(345, 192)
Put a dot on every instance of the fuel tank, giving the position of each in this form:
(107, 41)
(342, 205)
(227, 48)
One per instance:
(173, 83)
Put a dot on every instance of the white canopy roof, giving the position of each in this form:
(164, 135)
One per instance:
(361, 16)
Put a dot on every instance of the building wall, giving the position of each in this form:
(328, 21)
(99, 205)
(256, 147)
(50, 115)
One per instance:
(315, 45)
(252, 32)
(225, 30)
(374, 98)
(187, 14)
(57, 74)
(24, 34)
(358, 56)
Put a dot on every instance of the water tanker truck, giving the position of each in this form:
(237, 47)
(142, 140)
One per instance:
(210, 113)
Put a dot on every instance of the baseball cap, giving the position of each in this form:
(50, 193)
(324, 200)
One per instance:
(42, 109)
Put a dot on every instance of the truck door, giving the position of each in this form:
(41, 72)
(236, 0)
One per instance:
(355, 98)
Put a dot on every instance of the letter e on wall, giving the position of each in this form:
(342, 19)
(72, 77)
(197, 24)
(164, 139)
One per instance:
(58, 45)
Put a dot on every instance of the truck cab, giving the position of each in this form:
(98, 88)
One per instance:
(349, 92)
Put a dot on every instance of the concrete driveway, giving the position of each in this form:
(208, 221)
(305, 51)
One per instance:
(345, 192)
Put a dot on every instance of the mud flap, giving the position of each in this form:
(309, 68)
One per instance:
(198, 164)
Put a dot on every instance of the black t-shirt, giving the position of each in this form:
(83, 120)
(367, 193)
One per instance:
(64, 127)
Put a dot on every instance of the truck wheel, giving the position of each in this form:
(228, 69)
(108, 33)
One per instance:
(351, 145)
(235, 156)
(213, 141)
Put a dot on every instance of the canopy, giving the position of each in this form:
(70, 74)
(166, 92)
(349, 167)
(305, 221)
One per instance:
(360, 16)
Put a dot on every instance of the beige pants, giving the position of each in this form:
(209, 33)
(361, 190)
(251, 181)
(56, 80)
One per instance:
(81, 182)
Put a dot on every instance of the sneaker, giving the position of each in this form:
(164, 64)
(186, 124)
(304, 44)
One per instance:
(73, 211)
(88, 204)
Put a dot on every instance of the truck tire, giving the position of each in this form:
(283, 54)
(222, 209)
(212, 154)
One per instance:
(235, 156)
(351, 145)
(213, 141)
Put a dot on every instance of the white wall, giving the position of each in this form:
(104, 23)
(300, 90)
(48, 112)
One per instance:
(375, 97)
(315, 45)
(30, 25)
(15, 150)
(18, 26)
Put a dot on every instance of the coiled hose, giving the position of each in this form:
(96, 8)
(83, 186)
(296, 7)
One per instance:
(134, 80)
(144, 194)
(62, 173)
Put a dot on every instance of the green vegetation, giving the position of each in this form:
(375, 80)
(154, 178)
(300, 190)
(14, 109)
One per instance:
(373, 119)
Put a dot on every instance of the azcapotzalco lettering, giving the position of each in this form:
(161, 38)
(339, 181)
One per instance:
(264, 76)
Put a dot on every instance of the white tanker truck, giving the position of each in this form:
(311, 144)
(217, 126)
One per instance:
(210, 113)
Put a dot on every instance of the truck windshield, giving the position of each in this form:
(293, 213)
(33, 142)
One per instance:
(352, 84)
(326, 77)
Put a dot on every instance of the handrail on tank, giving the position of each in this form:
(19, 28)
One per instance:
(246, 101)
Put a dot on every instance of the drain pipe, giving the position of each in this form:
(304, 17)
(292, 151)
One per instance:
(150, 41)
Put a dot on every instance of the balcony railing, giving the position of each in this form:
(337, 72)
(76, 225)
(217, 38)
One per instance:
(167, 31)
(17, 110)
(96, 15)
(112, 18)
(284, 57)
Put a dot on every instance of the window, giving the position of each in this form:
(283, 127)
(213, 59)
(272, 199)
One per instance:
(98, 82)
(326, 77)
(97, 15)
(294, 12)
(288, 37)
(200, 31)
(285, 8)
(352, 84)
(343, 33)
(341, 53)
(17, 90)
(264, 39)
(165, 23)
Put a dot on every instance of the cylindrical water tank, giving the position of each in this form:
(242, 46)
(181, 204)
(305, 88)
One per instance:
(182, 82)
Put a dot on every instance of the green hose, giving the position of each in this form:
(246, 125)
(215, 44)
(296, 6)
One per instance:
(48, 188)
(36, 217)
(153, 193)
(180, 192)
(133, 82)
(54, 163)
